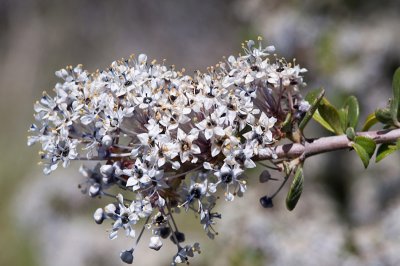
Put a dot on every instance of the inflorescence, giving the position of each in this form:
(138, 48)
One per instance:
(166, 140)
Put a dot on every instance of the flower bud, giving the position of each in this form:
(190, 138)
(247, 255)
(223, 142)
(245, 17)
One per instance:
(99, 216)
(106, 170)
(178, 236)
(266, 202)
(127, 256)
(107, 141)
(94, 190)
(165, 232)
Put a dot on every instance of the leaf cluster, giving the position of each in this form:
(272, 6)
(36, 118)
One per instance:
(344, 121)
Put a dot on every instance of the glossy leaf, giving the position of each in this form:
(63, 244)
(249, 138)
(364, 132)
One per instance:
(353, 111)
(331, 115)
(295, 190)
(367, 143)
(317, 117)
(394, 104)
(313, 98)
(365, 148)
(384, 150)
(362, 154)
(369, 122)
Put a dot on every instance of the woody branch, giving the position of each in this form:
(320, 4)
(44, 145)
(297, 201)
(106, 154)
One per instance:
(326, 144)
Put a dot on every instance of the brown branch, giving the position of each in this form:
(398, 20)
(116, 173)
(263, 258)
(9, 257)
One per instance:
(327, 144)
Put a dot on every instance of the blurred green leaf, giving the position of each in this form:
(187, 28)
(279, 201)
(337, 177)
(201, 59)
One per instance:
(384, 116)
(384, 150)
(350, 133)
(365, 148)
(369, 122)
(343, 118)
(331, 116)
(353, 111)
(394, 104)
(295, 190)
(313, 98)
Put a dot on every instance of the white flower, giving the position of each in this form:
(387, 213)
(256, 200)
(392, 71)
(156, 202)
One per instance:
(211, 125)
(187, 148)
(112, 120)
(228, 175)
(124, 218)
(173, 119)
(241, 156)
(147, 97)
(155, 243)
(196, 191)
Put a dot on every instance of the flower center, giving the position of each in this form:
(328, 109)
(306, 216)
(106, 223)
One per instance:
(195, 192)
(227, 177)
(147, 100)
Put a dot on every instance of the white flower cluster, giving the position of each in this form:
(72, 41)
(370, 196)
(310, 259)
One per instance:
(153, 126)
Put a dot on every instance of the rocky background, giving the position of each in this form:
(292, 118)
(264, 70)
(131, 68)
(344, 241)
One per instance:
(346, 216)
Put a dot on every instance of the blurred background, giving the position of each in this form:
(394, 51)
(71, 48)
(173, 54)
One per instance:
(346, 216)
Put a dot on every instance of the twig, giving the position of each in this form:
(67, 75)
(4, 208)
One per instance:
(326, 144)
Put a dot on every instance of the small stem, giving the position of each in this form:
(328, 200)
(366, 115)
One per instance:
(172, 218)
(117, 155)
(269, 166)
(281, 186)
(84, 158)
(176, 228)
(174, 235)
(128, 132)
(124, 146)
(114, 196)
(141, 232)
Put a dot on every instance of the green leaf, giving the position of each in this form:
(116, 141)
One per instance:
(369, 122)
(353, 111)
(384, 150)
(296, 188)
(350, 133)
(343, 118)
(367, 143)
(361, 153)
(384, 116)
(331, 115)
(317, 117)
(365, 148)
(313, 98)
(394, 104)
(286, 125)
